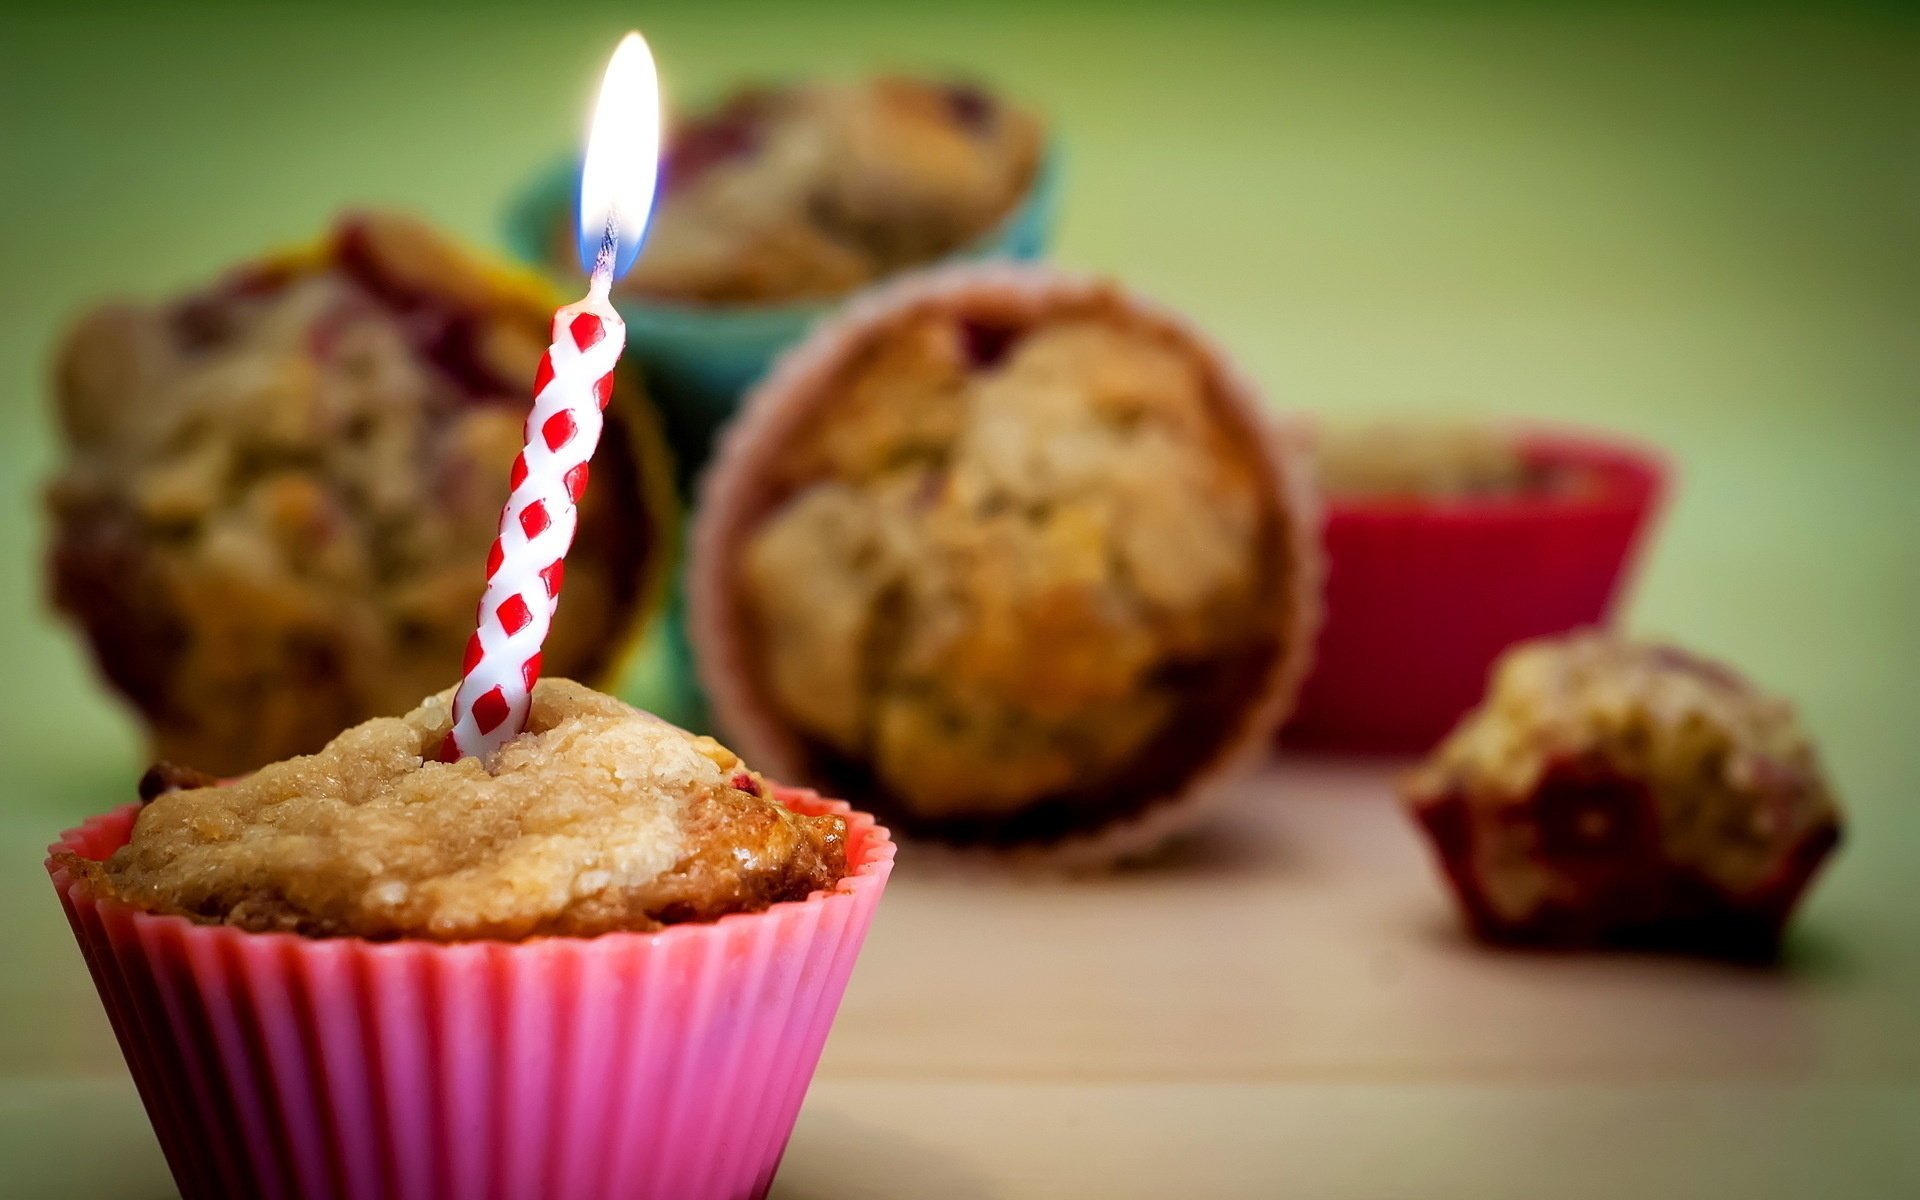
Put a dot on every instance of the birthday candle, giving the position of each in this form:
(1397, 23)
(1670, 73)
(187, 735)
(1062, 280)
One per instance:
(527, 563)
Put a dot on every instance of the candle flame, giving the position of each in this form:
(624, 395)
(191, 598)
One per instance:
(623, 158)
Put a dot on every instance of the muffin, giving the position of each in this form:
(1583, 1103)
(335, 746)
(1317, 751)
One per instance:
(1423, 462)
(1446, 544)
(1009, 557)
(809, 191)
(276, 492)
(779, 201)
(600, 964)
(373, 838)
(1630, 792)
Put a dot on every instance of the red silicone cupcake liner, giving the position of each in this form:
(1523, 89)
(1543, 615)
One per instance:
(1422, 596)
(658, 1066)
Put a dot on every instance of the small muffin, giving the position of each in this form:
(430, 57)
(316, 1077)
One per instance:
(278, 492)
(810, 191)
(1008, 557)
(598, 818)
(1421, 461)
(1617, 791)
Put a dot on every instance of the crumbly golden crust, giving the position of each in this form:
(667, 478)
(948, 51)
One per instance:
(278, 493)
(599, 818)
(1410, 460)
(1018, 572)
(811, 191)
(1614, 789)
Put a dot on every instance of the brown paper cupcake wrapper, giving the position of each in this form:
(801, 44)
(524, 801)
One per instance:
(736, 494)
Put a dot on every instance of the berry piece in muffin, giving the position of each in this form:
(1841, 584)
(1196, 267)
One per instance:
(278, 492)
(598, 818)
(1617, 791)
(810, 191)
(1015, 570)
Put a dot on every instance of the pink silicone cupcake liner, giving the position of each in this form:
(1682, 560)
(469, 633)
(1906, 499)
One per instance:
(655, 1066)
(1422, 596)
(734, 498)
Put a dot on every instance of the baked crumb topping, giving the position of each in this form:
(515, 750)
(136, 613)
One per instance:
(599, 818)
(1413, 460)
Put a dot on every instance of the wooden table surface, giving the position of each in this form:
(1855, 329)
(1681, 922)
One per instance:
(1282, 1005)
(1698, 228)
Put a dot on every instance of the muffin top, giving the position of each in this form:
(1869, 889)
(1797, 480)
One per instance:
(1411, 460)
(598, 818)
(1018, 575)
(278, 491)
(1730, 780)
(810, 191)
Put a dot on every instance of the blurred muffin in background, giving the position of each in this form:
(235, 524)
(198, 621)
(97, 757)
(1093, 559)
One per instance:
(780, 201)
(1010, 557)
(804, 192)
(1446, 543)
(273, 513)
(1618, 791)
(1426, 461)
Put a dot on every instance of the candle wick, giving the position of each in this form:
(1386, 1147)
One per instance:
(601, 280)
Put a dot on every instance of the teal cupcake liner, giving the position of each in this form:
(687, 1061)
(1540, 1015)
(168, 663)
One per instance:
(700, 360)
(659, 677)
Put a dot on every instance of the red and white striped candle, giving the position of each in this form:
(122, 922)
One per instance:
(570, 390)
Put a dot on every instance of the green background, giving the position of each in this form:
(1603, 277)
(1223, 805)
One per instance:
(1702, 228)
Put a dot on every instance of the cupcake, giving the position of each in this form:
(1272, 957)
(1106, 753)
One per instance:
(601, 964)
(1610, 791)
(1445, 544)
(1010, 557)
(780, 201)
(275, 492)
